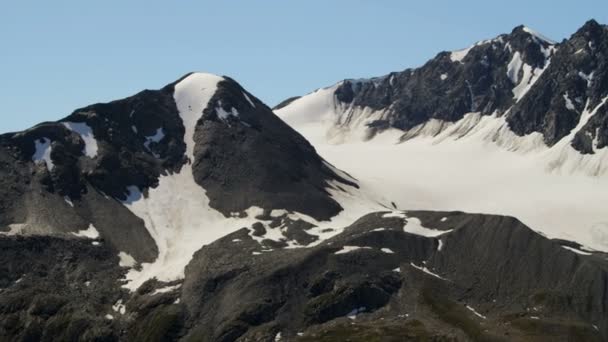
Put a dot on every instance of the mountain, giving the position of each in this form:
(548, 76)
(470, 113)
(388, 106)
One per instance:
(194, 213)
(497, 128)
(530, 84)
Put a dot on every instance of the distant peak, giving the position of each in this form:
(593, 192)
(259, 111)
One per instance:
(522, 29)
(590, 29)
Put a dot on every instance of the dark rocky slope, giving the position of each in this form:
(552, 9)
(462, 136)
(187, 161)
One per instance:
(400, 287)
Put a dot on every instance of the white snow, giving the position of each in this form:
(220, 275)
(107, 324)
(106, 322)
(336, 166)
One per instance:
(119, 307)
(459, 55)
(86, 133)
(95, 243)
(353, 313)
(387, 250)
(68, 201)
(89, 233)
(126, 260)
(398, 270)
(440, 245)
(427, 271)
(249, 100)
(166, 289)
(443, 219)
(109, 317)
(569, 103)
(474, 165)
(348, 249)
(514, 67)
(277, 337)
(414, 226)
(43, 152)
(443, 77)
(157, 137)
(475, 312)
(538, 35)
(223, 114)
(398, 214)
(577, 251)
(586, 77)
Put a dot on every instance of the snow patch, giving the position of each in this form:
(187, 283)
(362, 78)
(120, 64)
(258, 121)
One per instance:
(89, 233)
(387, 250)
(86, 133)
(68, 200)
(569, 104)
(459, 55)
(249, 100)
(443, 77)
(126, 260)
(166, 289)
(353, 314)
(538, 35)
(348, 249)
(475, 312)
(156, 138)
(414, 226)
(427, 271)
(577, 251)
(119, 307)
(43, 153)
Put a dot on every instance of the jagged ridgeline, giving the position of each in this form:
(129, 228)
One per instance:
(194, 213)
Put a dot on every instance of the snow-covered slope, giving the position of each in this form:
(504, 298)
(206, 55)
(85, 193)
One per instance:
(475, 157)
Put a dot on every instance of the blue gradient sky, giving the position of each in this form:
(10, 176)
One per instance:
(59, 55)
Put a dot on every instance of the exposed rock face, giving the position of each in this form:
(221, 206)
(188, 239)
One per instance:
(254, 158)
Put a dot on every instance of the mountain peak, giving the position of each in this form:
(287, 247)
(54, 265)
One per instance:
(591, 30)
(525, 30)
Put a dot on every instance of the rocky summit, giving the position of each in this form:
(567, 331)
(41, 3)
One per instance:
(195, 213)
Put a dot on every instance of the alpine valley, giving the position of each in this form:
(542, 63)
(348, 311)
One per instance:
(464, 200)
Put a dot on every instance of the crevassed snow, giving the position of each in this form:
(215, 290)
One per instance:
(414, 226)
(489, 167)
(43, 152)
(86, 133)
(348, 249)
(89, 233)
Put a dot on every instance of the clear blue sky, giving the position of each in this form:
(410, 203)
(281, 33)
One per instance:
(59, 55)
